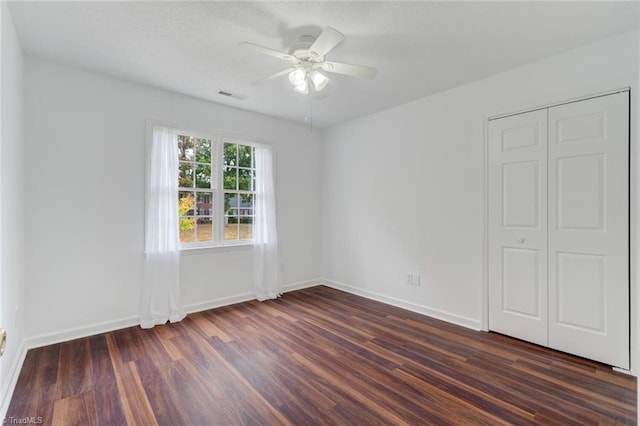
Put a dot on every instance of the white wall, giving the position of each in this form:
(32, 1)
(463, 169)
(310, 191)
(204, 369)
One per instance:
(11, 205)
(403, 190)
(84, 176)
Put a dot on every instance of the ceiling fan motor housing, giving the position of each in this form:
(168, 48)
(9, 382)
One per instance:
(301, 50)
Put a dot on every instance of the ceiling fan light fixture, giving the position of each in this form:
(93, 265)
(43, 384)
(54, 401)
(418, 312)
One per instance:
(298, 77)
(319, 80)
(300, 80)
(302, 88)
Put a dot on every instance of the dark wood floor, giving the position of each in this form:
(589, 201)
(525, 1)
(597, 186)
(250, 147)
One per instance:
(315, 356)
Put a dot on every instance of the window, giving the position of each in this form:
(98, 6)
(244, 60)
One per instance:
(216, 191)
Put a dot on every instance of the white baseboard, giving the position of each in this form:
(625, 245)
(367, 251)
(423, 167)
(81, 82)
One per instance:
(80, 332)
(301, 285)
(460, 320)
(216, 303)
(245, 297)
(10, 385)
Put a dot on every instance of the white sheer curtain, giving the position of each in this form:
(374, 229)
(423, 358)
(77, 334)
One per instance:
(266, 278)
(161, 285)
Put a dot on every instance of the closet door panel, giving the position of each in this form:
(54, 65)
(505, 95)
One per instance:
(580, 192)
(589, 229)
(517, 228)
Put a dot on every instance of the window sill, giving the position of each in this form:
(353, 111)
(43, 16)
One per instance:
(197, 251)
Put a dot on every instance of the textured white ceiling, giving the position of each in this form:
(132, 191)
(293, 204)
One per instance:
(419, 48)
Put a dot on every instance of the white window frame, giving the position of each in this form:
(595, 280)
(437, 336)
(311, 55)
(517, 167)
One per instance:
(217, 175)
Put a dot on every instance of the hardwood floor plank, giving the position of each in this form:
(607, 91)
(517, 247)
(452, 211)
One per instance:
(162, 393)
(78, 409)
(618, 379)
(588, 385)
(317, 356)
(444, 350)
(306, 393)
(358, 393)
(133, 401)
(270, 308)
(483, 399)
(109, 410)
(75, 370)
(231, 385)
(387, 394)
(259, 374)
(208, 328)
(609, 407)
(101, 367)
(449, 406)
(341, 323)
(463, 340)
(38, 383)
(537, 396)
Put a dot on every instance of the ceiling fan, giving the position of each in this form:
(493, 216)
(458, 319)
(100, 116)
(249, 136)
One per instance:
(307, 60)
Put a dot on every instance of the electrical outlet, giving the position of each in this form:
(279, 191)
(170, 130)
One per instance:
(416, 279)
(282, 267)
(413, 278)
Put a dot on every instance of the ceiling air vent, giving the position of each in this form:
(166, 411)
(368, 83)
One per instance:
(228, 94)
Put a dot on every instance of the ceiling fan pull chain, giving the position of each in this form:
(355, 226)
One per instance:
(310, 114)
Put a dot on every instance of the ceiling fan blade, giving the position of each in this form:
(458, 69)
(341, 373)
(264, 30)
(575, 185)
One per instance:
(326, 41)
(350, 70)
(273, 76)
(267, 51)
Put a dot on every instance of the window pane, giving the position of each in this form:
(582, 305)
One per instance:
(204, 204)
(246, 216)
(245, 179)
(203, 176)
(246, 202)
(203, 150)
(205, 229)
(230, 178)
(231, 216)
(186, 203)
(186, 148)
(231, 228)
(230, 203)
(245, 156)
(187, 227)
(246, 228)
(230, 154)
(185, 175)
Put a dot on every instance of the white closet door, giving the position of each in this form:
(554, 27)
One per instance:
(589, 229)
(518, 226)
